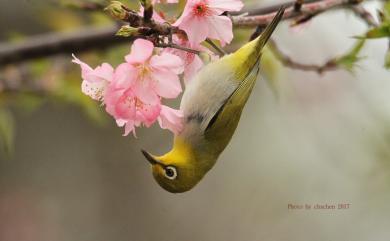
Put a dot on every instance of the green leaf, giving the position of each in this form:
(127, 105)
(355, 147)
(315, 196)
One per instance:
(350, 59)
(383, 31)
(387, 60)
(386, 11)
(7, 132)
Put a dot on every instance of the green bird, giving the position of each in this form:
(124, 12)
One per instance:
(212, 105)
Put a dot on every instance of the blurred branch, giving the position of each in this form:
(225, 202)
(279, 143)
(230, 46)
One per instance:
(347, 61)
(92, 38)
(296, 9)
(220, 51)
(86, 6)
(366, 16)
(56, 43)
(175, 46)
(289, 62)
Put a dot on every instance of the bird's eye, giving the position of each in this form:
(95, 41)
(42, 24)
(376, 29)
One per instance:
(170, 173)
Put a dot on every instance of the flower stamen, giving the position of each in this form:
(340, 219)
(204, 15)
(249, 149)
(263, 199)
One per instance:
(201, 9)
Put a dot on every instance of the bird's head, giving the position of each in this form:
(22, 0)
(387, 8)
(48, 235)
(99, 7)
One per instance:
(177, 171)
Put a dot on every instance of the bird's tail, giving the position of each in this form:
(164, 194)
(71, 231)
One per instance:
(266, 34)
(251, 52)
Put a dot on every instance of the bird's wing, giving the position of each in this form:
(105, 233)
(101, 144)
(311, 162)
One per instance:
(230, 110)
(205, 94)
(208, 100)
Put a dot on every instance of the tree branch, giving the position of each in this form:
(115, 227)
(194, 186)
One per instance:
(92, 38)
(220, 51)
(50, 44)
(290, 63)
(312, 8)
(175, 46)
(366, 16)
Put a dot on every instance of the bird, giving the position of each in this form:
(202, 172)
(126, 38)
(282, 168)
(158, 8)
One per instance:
(212, 105)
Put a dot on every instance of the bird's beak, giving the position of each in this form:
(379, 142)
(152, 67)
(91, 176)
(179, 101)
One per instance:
(149, 157)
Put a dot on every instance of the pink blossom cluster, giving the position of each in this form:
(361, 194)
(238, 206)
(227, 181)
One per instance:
(133, 91)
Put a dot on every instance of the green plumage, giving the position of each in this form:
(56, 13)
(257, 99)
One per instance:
(212, 105)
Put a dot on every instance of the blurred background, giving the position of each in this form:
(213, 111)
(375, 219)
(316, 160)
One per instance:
(68, 174)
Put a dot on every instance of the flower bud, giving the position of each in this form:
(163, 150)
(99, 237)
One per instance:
(127, 31)
(116, 10)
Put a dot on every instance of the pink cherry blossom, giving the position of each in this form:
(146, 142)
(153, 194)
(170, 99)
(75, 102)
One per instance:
(94, 80)
(192, 62)
(154, 75)
(134, 95)
(202, 19)
(128, 110)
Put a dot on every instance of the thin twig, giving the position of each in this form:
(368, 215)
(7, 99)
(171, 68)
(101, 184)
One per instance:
(365, 15)
(175, 46)
(289, 62)
(298, 5)
(220, 51)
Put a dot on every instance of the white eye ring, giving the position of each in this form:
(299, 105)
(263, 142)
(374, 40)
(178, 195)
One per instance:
(170, 173)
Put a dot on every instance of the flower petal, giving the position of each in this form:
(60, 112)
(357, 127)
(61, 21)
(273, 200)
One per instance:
(226, 5)
(130, 127)
(171, 119)
(141, 50)
(121, 122)
(196, 28)
(192, 69)
(95, 90)
(144, 90)
(221, 29)
(124, 76)
(168, 62)
(167, 83)
(105, 71)
(85, 68)
(150, 113)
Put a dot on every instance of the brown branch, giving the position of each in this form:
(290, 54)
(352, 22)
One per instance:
(50, 44)
(366, 16)
(220, 51)
(175, 46)
(298, 5)
(290, 63)
(312, 8)
(329, 65)
(90, 38)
